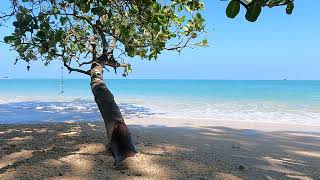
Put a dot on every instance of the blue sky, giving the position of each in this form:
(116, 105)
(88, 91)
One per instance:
(277, 46)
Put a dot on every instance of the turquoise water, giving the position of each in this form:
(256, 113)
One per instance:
(271, 101)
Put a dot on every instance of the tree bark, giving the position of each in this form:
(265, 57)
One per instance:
(120, 140)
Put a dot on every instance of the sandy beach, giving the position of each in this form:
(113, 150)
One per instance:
(168, 149)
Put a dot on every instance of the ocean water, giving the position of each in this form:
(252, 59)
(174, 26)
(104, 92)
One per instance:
(39, 100)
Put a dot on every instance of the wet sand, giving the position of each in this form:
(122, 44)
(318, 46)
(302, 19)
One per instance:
(168, 149)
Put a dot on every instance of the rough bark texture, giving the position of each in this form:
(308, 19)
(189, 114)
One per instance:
(119, 137)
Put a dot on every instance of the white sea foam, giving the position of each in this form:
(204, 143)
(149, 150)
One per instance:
(86, 109)
(239, 111)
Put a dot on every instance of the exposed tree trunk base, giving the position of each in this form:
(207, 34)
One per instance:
(121, 143)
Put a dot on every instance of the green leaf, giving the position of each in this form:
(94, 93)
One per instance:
(63, 20)
(182, 19)
(173, 35)
(203, 43)
(85, 8)
(188, 8)
(186, 28)
(94, 10)
(262, 2)
(15, 23)
(290, 7)
(253, 12)
(233, 9)
(9, 39)
(55, 9)
(41, 34)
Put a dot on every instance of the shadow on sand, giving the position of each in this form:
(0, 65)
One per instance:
(77, 151)
(80, 110)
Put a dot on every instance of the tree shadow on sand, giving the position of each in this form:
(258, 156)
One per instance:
(80, 110)
(78, 151)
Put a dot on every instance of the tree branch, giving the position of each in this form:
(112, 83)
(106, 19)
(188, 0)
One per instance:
(84, 63)
(116, 64)
(103, 37)
(75, 70)
(179, 48)
(113, 45)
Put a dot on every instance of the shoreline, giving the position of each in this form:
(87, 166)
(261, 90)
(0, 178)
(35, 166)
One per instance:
(237, 124)
(195, 122)
(168, 149)
(19, 110)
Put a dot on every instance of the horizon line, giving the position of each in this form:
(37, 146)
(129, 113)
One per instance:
(49, 78)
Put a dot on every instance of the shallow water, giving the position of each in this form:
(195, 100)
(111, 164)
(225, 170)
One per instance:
(38, 100)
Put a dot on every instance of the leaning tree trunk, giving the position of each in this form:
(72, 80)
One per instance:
(118, 133)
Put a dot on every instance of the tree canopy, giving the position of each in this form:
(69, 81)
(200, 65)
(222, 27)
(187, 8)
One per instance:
(78, 32)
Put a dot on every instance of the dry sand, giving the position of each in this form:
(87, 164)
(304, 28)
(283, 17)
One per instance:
(168, 149)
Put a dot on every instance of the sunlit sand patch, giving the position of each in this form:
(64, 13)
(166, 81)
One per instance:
(54, 162)
(8, 175)
(174, 149)
(210, 134)
(26, 130)
(94, 148)
(154, 150)
(147, 167)
(304, 135)
(299, 177)
(222, 175)
(69, 122)
(15, 157)
(21, 138)
(79, 164)
(314, 154)
(70, 134)
(41, 130)
(69, 177)
(8, 131)
(291, 161)
(269, 177)
(167, 148)
(213, 129)
(93, 127)
(315, 144)
(277, 165)
(74, 131)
